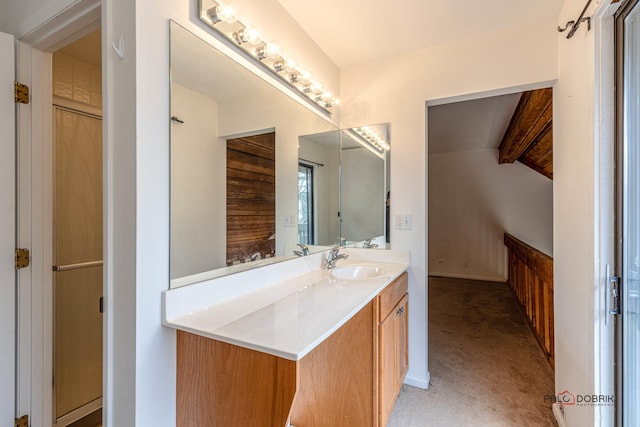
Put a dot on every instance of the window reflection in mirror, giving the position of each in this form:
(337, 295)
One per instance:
(350, 185)
(321, 153)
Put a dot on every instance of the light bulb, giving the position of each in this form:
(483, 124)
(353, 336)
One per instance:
(251, 36)
(305, 75)
(316, 87)
(290, 65)
(226, 14)
(222, 13)
(273, 49)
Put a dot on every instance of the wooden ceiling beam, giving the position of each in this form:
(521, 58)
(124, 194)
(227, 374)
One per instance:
(530, 123)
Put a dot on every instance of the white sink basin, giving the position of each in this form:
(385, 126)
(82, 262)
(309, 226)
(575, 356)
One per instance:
(357, 272)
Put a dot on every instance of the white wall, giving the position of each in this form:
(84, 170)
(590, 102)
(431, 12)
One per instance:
(362, 194)
(326, 186)
(198, 185)
(578, 272)
(473, 201)
(395, 91)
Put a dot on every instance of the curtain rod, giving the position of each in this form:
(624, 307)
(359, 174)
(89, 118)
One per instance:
(576, 24)
(310, 161)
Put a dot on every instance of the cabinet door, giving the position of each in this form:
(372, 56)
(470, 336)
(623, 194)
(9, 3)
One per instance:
(393, 355)
(403, 340)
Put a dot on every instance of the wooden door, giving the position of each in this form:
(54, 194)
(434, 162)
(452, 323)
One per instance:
(403, 340)
(394, 358)
(387, 375)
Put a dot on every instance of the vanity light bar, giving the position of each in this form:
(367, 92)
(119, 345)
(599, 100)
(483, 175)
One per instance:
(365, 143)
(372, 138)
(223, 19)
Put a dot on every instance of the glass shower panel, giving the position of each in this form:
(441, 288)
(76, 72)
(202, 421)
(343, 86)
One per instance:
(78, 198)
(77, 263)
(78, 332)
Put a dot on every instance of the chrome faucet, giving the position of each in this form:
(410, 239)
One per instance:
(367, 244)
(304, 250)
(332, 257)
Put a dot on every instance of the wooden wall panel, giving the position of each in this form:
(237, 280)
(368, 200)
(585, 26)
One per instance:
(531, 280)
(251, 196)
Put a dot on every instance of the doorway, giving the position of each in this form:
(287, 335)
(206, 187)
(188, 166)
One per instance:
(77, 234)
(477, 201)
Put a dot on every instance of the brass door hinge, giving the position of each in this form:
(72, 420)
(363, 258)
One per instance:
(21, 93)
(22, 258)
(23, 421)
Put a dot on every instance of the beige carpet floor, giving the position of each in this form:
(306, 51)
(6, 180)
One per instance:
(486, 366)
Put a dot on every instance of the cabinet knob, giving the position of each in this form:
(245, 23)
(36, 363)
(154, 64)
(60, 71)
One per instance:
(400, 310)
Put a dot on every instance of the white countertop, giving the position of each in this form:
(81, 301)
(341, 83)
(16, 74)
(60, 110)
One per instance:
(285, 309)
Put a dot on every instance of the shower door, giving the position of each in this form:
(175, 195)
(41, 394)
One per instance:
(77, 226)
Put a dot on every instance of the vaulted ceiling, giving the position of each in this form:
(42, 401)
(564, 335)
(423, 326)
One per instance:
(357, 31)
(519, 125)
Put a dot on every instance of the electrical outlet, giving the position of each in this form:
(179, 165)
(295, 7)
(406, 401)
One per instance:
(465, 263)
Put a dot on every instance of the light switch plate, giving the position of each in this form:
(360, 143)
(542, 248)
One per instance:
(290, 220)
(404, 222)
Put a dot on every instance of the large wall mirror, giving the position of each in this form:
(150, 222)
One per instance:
(234, 164)
(236, 169)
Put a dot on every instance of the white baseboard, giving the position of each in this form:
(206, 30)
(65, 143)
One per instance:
(469, 277)
(418, 382)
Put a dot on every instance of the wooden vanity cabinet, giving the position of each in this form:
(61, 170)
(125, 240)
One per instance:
(392, 358)
(352, 378)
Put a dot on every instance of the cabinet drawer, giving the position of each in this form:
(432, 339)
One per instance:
(390, 296)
